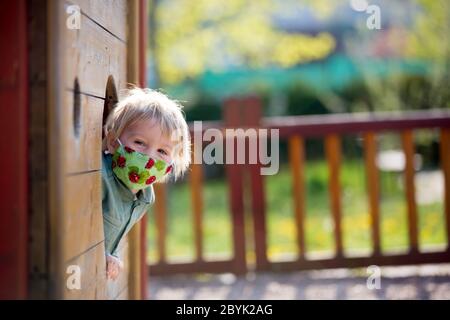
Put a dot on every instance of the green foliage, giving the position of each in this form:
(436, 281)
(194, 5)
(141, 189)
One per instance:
(303, 100)
(195, 36)
(205, 109)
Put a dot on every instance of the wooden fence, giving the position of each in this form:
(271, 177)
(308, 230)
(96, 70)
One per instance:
(246, 113)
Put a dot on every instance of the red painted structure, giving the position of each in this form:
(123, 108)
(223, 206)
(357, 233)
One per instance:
(14, 150)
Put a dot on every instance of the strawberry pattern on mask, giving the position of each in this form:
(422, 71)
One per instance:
(137, 170)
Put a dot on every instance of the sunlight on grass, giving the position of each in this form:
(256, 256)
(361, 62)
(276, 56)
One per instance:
(431, 225)
(355, 211)
(281, 230)
(217, 223)
(393, 215)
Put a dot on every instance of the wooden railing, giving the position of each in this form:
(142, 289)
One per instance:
(295, 129)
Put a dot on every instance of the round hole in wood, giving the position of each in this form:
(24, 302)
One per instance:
(110, 98)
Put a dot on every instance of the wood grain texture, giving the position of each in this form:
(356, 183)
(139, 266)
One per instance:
(91, 54)
(297, 163)
(83, 226)
(445, 164)
(137, 282)
(333, 154)
(115, 287)
(110, 15)
(373, 188)
(84, 152)
(80, 62)
(408, 149)
(92, 265)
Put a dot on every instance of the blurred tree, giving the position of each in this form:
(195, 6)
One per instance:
(194, 36)
(415, 74)
(430, 41)
(304, 100)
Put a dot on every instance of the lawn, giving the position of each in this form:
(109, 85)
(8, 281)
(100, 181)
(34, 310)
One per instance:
(280, 222)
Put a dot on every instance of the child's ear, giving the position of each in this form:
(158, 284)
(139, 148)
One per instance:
(111, 143)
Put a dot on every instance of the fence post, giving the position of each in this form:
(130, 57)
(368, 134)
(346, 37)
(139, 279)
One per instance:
(252, 120)
(235, 183)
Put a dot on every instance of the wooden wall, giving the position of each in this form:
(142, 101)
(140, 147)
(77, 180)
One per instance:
(75, 76)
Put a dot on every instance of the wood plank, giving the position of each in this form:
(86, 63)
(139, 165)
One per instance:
(115, 287)
(110, 15)
(333, 154)
(136, 241)
(252, 115)
(321, 125)
(295, 265)
(408, 149)
(85, 149)
(161, 220)
(83, 226)
(297, 163)
(234, 175)
(373, 188)
(357, 262)
(143, 12)
(91, 55)
(92, 265)
(87, 57)
(164, 269)
(196, 185)
(445, 165)
(94, 50)
(38, 257)
(134, 276)
(142, 278)
(56, 149)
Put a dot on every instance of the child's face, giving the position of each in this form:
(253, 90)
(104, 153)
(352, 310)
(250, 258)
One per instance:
(146, 136)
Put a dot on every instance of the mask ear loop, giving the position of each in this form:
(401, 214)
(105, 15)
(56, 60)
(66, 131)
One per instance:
(118, 140)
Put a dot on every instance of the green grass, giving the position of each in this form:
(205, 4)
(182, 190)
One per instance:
(280, 220)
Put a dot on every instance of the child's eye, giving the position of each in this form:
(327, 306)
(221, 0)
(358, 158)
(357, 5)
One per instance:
(139, 142)
(162, 151)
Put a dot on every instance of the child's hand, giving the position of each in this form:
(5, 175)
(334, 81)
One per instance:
(113, 267)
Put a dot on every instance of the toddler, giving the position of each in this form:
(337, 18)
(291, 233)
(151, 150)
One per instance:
(146, 141)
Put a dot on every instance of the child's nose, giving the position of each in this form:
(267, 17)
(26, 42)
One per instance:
(152, 153)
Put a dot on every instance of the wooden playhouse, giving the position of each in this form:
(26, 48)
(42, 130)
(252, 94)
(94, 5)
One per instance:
(63, 64)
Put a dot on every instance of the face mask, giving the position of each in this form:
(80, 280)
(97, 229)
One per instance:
(137, 170)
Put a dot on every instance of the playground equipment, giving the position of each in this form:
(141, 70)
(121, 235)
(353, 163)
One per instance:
(62, 66)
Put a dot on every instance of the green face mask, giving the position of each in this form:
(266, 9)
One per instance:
(137, 170)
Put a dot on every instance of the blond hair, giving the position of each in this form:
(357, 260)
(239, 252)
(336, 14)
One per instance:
(143, 104)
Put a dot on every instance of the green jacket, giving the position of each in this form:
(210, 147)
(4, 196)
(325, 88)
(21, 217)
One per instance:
(121, 208)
